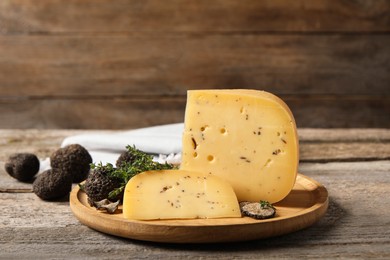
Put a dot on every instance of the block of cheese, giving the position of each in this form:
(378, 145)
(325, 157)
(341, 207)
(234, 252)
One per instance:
(246, 137)
(178, 194)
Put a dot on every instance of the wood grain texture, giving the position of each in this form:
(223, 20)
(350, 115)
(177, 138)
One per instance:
(345, 231)
(32, 228)
(26, 16)
(129, 112)
(80, 51)
(145, 64)
(316, 145)
(118, 113)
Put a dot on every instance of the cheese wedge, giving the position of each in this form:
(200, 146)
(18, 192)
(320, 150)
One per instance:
(246, 137)
(178, 194)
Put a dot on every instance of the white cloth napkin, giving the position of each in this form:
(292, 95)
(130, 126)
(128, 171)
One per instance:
(163, 141)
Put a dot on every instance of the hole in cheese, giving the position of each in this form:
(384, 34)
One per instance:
(210, 158)
(194, 144)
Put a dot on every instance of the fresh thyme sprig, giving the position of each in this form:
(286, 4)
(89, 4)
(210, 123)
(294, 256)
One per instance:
(265, 204)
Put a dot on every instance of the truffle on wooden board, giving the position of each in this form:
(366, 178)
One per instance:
(257, 210)
(98, 185)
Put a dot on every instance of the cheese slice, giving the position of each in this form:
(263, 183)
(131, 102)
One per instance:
(178, 194)
(246, 137)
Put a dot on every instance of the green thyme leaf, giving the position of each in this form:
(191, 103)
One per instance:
(81, 186)
(265, 204)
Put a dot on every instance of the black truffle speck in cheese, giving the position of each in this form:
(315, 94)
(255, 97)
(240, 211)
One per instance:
(22, 166)
(73, 159)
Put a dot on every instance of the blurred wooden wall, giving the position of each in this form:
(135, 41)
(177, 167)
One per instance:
(128, 63)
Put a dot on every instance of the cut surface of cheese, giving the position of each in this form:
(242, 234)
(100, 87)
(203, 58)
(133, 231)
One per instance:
(246, 137)
(178, 194)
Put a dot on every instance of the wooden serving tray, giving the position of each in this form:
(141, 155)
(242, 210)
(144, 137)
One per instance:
(307, 203)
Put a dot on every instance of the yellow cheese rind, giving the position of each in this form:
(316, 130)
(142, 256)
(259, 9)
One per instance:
(246, 137)
(178, 194)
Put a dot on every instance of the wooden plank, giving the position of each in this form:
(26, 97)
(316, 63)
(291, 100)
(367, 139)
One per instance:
(339, 151)
(91, 113)
(33, 228)
(316, 145)
(37, 141)
(126, 113)
(310, 135)
(64, 16)
(11, 185)
(169, 64)
(322, 145)
(340, 111)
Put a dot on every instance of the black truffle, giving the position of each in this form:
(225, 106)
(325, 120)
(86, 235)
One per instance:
(125, 157)
(72, 160)
(98, 185)
(51, 185)
(22, 166)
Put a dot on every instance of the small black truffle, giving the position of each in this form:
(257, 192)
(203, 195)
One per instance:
(125, 158)
(22, 166)
(98, 185)
(51, 185)
(74, 160)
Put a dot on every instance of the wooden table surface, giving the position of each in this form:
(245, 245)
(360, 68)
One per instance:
(353, 164)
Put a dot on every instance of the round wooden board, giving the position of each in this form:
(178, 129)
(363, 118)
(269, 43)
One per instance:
(306, 203)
